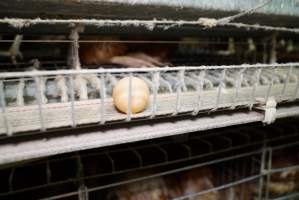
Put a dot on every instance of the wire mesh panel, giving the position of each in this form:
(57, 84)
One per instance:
(42, 100)
(283, 168)
(246, 162)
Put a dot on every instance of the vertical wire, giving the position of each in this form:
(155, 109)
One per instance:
(256, 83)
(269, 167)
(156, 80)
(3, 108)
(179, 93)
(39, 94)
(103, 97)
(220, 87)
(199, 89)
(238, 87)
(262, 169)
(72, 94)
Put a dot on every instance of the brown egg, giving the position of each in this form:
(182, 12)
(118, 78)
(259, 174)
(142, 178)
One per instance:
(140, 95)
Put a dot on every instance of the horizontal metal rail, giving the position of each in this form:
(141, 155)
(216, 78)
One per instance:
(136, 70)
(288, 196)
(150, 24)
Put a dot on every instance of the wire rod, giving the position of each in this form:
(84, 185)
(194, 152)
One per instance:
(283, 169)
(225, 20)
(150, 24)
(289, 196)
(128, 70)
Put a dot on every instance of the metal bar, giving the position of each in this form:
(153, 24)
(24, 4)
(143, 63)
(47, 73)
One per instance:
(268, 175)
(80, 167)
(258, 75)
(286, 81)
(262, 168)
(116, 41)
(163, 151)
(220, 87)
(178, 93)
(137, 154)
(288, 196)
(243, 174)
(181, 77)
(10, 185)
(129, 114)
(20, 92)
(229, 170)
(283, 169)
(111, 161)
(39, 94)
(74, 36)
(8, 129)
(156, 80)
(72, 94)
(238, 86)
(103, 97)
(199, 89)
(21, 22)
(285, 146)
(128, 70)
(177, 99)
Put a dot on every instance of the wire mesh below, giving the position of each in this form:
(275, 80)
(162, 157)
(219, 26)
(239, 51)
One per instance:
(245, 162)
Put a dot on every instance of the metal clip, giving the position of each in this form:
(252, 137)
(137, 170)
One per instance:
(270, 110)
(73, 57)
(83, 193)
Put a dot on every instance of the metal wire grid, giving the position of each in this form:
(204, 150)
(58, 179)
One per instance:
(83, 168)
(232, 179)
(40, 100)
(188, 52)
(279, 172)
(149, 24)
